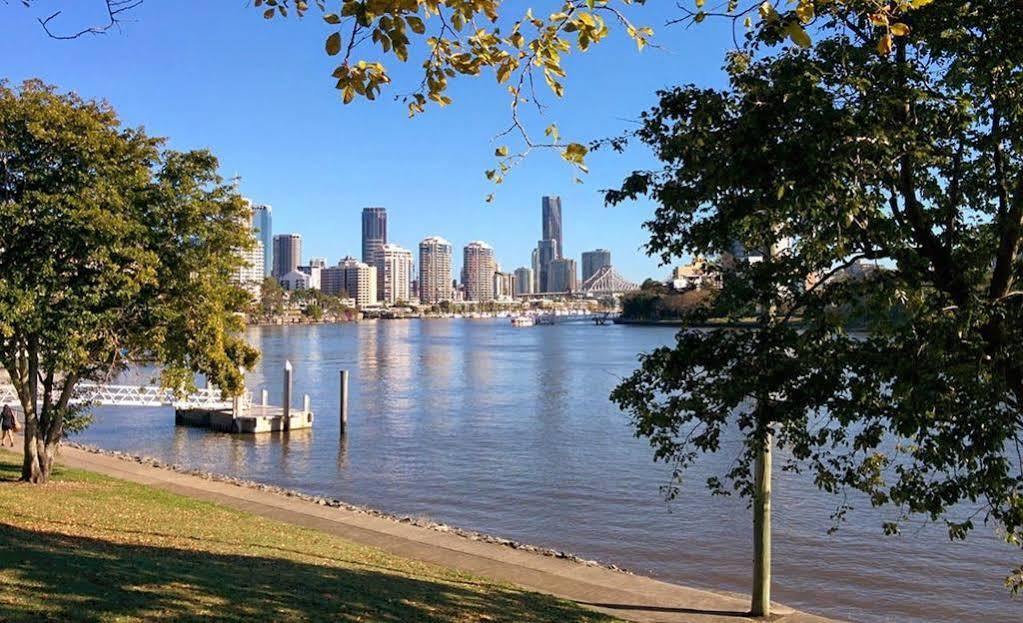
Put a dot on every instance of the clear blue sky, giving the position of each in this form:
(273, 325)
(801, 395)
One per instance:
(258, 94)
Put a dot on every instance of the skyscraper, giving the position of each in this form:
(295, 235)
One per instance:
(263, 227)
(287, 254)
(478, 270)
(435, 270)
(535, 263)
(397, 264)
(563, 276)
(250, 274)
(552, 222)
(546, 252)
(594, 261)
(374, 237)
(524, 280)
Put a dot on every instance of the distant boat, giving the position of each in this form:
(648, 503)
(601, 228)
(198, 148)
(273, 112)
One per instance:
(523, 321)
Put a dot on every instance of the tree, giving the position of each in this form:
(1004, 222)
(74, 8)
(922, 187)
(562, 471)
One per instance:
(111, 252)
(909, 153)
(271, 298)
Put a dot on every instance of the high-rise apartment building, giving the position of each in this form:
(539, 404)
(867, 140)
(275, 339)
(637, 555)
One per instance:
(374, 237)
(594, 261)
(262, 226)
(535, 263)
(563, 276)
(435, 270)
(397, 264)
(360, 281)
(478, 268)
(504, 285)
(524, 281)
(287, 254)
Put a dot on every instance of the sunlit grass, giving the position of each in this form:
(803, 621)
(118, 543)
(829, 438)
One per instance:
(90, 548)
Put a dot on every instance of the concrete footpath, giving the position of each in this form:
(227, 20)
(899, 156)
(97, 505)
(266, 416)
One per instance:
(630, 597)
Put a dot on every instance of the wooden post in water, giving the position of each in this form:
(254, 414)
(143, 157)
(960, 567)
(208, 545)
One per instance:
(286, 398)
(305, 404)
(343, 402)
(265, 397)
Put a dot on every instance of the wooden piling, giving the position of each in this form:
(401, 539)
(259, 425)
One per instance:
(286, 398)
(343, 402)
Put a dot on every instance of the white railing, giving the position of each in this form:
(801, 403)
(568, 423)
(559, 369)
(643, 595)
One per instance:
(140, 396)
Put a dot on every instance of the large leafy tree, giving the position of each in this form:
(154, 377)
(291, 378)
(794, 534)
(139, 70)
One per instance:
(906, 152)
(111, 251)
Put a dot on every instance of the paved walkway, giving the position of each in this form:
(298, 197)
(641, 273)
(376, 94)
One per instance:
(631, 597)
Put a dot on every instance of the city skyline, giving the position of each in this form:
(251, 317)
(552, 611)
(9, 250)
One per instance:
(316, 185)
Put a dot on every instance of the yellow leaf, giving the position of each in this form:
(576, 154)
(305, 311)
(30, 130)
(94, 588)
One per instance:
(884, 46)
(900, 30)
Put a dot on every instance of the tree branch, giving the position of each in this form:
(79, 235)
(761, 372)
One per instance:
(115, 10)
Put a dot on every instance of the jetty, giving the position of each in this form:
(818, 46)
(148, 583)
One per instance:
(204, 407)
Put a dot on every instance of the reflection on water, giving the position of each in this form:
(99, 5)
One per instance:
(510, 431)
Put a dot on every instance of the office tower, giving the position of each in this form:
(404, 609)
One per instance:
(504, 285)
(374, 237)
(524, 281)
(562, 276)
(552, 222)
(594, 261)
(435, 270)
(360, 281)
(397, 265)
(287, 254)
(478, 268)
(263, 227)
(547, 252)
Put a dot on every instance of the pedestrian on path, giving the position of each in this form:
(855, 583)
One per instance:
(9, 424)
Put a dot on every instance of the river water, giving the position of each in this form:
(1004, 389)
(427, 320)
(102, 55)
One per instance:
(510, 432)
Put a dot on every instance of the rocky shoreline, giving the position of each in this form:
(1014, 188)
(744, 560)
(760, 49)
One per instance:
(335, 503)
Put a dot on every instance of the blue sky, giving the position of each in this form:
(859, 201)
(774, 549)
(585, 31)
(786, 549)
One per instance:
(258, 94)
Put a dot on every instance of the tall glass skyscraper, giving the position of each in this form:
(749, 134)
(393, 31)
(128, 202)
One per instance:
(262, 226)
(552, 222)
(374, 237)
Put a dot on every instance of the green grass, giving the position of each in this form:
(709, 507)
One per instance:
(90, 548)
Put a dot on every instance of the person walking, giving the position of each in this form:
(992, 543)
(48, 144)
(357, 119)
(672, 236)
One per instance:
(9, 424)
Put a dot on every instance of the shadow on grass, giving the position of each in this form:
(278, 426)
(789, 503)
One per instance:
(52, 576)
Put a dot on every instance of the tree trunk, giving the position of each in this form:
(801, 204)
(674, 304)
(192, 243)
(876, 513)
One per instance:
(39, 455)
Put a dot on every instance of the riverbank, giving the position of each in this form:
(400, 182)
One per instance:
(415, 584)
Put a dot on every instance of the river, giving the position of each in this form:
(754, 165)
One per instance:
(510, 432)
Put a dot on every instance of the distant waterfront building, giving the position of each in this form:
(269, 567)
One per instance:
(478, 268)
(397, 263)
(435, 254)
(296, 280)
(563, 276)
(287, 254)
(332, 281)
(524, 281)
(314, 272)
(547, 252)
(594, 261)
(262, 226)
(360, 281)
(374, 237)
(320, 262)
(504, 285)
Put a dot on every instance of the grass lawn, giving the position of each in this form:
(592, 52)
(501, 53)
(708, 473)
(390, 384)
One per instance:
(91, 548)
